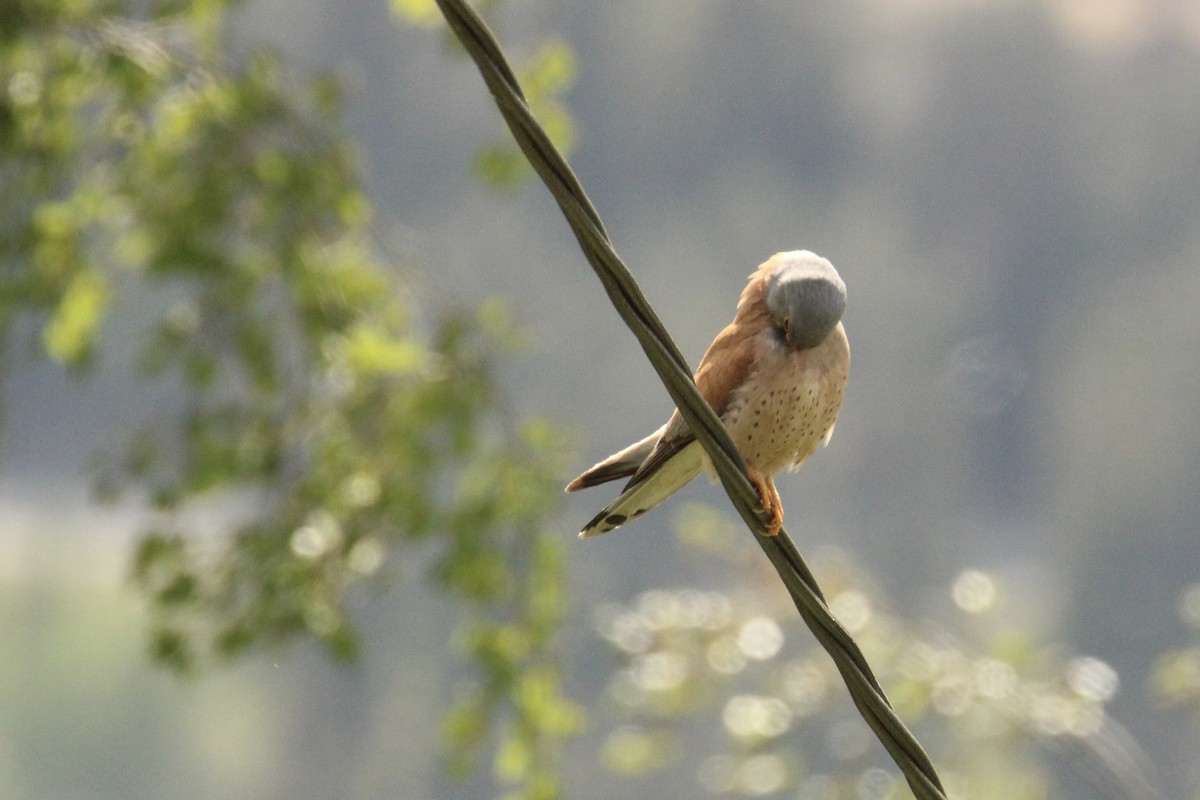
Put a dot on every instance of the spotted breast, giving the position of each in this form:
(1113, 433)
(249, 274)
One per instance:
(790, 403)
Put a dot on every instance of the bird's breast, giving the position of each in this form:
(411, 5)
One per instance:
(789, 402)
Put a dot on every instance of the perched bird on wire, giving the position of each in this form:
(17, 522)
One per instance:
(775, 376)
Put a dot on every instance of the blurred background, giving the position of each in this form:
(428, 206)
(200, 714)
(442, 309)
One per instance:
(1011, 191)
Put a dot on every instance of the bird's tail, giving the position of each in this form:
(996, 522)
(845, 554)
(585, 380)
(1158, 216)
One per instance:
(640, 497)
(618, 465)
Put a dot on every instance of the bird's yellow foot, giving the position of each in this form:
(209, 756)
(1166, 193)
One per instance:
(768, 498)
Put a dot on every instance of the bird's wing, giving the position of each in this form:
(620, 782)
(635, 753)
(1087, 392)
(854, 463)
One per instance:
(655, 487)
(672, 457)
(724, 369)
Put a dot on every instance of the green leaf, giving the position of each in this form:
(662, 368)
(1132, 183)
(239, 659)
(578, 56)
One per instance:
(550, 70)
(371, 352)
(513, 759)
(71, 332)
(501, 166)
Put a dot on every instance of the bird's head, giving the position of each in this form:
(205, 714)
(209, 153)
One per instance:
(805, 296)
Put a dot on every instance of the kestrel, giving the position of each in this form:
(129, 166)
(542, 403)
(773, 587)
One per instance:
(775, 376)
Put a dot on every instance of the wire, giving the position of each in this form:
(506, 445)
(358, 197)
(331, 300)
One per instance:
(676, 376)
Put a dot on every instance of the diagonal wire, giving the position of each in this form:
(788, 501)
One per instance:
(676, 376)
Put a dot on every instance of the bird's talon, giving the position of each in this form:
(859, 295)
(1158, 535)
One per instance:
(773, 521)
(770, 506)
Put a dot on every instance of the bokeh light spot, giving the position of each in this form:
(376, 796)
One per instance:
(748, 715)
(994, 679)
(366, 556)
(362, 489)
(659, 671)
(24, 88)
(853, 609)
(321, 618)
(1051, 715)
(724, 656)
(320, 534)
(1092, 678)
(628, 631)
(760, 638)
(762, 774)
(951, 695)
(974, 591)
(661, 608)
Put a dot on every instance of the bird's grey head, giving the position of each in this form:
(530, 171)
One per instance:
(806, 297)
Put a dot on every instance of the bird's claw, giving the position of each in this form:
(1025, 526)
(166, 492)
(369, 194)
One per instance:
(771, 507)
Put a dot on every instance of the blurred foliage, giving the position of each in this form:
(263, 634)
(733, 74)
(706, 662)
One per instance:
(418, 12)
(741, 662)
(149, 176)
(545, 75)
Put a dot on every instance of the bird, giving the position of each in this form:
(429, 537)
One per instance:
(775, 376)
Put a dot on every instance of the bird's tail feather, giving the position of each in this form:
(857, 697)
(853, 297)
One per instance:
(618, 465)
(639, 498)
